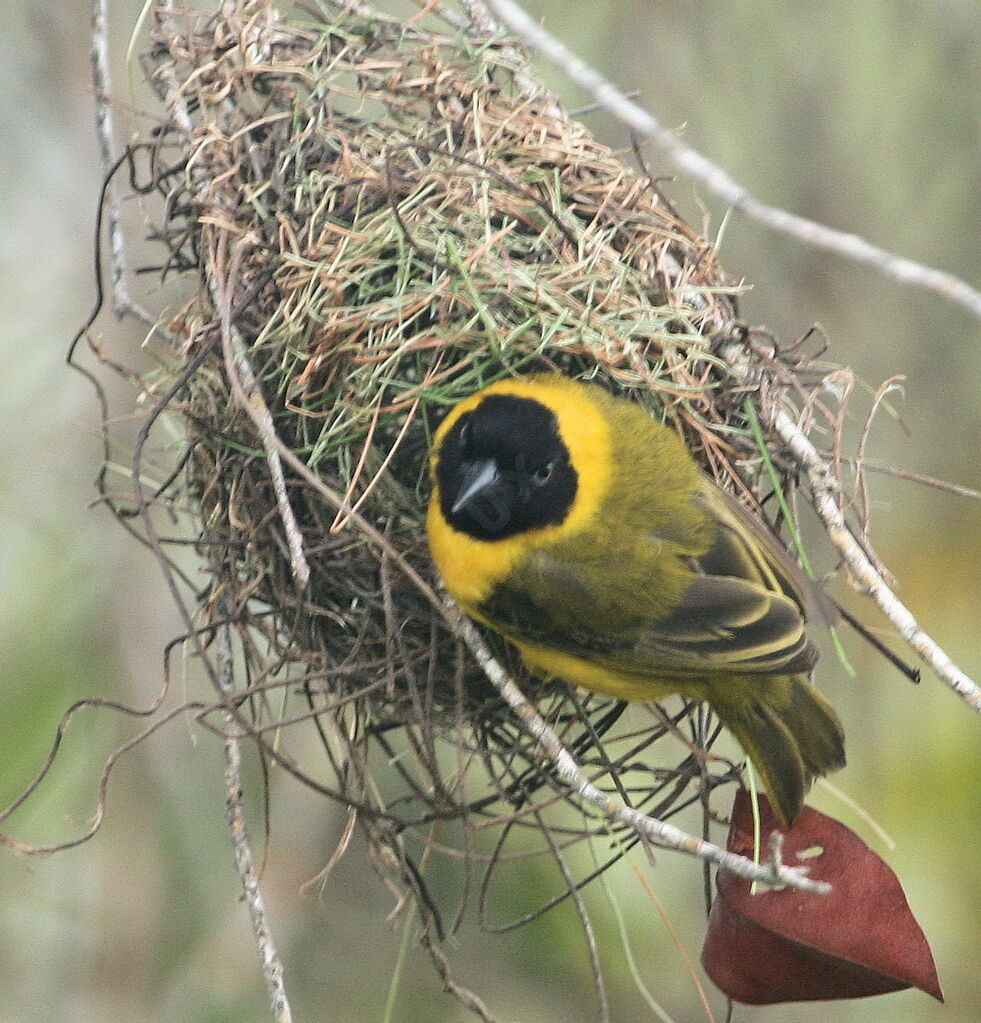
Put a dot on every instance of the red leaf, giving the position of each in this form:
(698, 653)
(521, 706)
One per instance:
(789, 946)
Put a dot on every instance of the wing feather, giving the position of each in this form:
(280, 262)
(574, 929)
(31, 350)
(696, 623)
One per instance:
(743, 611)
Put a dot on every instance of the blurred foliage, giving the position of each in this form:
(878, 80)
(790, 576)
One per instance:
(862, 115)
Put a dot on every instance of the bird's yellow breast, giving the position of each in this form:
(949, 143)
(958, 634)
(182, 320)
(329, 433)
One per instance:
(547, 662)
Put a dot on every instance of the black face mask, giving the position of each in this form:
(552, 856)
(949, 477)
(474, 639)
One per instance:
(503, 469)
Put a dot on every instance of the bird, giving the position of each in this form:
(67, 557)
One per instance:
(579, 528)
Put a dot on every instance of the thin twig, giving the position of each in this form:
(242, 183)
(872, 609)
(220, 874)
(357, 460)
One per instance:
(251, 395)
(104, 130)
(917, 477)
(589, 933)
(122, 302)
(96, 819)
(717, 181)
(824, 496)
(272, 967)
(870, 580)
(463, 995)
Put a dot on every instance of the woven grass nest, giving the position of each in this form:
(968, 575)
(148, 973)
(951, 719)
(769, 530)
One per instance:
(373, 220)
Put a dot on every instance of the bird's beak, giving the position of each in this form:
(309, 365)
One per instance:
(479, 478)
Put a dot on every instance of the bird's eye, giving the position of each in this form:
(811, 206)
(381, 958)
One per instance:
(543, 473)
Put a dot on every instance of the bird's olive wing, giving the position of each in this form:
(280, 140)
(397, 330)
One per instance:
(722, 624)
(743, 610)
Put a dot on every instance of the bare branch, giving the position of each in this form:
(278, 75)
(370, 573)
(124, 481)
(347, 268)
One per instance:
(122, 302)
(272, 967)
(868, 577)
(717, 181)
(104, 129)
(824, 496)
(247, 392)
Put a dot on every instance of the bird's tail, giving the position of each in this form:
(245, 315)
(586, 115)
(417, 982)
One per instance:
(790, 732)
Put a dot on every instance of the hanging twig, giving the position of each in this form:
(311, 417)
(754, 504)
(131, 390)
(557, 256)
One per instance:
(824, 492)
(272, 967)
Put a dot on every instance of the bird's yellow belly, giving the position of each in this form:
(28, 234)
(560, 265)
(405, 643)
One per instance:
(550, 663)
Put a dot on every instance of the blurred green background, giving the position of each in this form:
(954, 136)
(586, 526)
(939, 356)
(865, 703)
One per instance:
(865, 116)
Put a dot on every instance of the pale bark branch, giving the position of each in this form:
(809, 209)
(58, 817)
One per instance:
(716, 180)
(272, 967)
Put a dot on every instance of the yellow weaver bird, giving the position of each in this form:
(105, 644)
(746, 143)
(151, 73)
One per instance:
(581, 530)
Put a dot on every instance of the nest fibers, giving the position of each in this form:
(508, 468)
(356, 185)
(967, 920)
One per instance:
(375, 220)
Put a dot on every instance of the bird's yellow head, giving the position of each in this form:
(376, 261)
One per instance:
(521, 455)
(520, 462)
